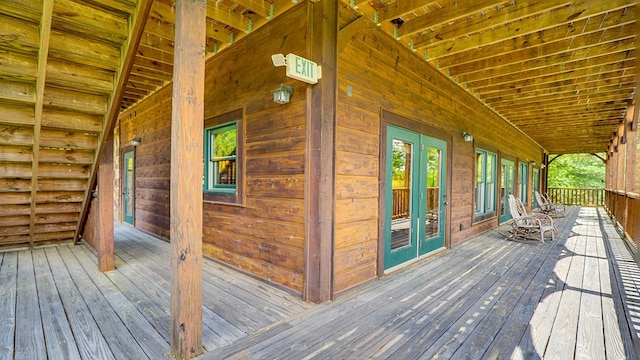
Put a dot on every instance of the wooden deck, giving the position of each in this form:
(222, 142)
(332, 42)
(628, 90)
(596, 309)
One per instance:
(487, 298)
(576, 298)
(54, 303)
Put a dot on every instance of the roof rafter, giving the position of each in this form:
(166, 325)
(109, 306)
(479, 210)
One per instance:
(137, 23)
(45, 34)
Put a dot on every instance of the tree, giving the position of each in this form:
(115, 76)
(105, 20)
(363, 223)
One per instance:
(577, 171)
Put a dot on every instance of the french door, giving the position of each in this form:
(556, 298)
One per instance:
(507, 186)
(415, 195)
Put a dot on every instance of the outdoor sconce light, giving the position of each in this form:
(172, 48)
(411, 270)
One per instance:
(282, 94)
(533, 163)
(467, 136)
(135, 141)
(542, 166)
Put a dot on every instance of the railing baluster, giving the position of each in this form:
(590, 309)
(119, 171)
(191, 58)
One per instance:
(577, 196)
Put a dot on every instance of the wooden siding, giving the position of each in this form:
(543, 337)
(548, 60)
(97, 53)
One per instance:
(151, 122)
(264, 234)
(375, 72)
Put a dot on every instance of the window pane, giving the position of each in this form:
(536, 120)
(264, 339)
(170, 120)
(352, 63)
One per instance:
(401, 173)
(220, 165)
(491, 159)
(479, 166)
(434, 162)
(225, 143)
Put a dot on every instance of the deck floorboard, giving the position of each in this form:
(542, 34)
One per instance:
(487, 298)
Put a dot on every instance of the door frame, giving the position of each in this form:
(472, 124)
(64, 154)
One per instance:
(390, 118)
(123, 170)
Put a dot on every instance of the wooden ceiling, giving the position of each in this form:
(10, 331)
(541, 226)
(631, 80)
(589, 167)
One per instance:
(561, 71)
(67, 68)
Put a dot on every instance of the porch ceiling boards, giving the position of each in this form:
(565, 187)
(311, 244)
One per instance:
(561, 71)
(67, 68)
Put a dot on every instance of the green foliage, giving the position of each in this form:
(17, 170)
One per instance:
(225, 143)
(577, 171)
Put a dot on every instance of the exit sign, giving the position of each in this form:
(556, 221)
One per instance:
(303, 69)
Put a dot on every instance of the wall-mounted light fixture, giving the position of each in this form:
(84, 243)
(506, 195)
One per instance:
(467, 136)
(542, 166)
(533, 163)
(282, 94)
(135, 141)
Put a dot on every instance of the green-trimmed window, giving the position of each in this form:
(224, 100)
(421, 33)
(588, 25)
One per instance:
(485, 185)
(535, 187)
(524, 183)
(220, 162)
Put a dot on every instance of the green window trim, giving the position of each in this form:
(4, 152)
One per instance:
(220, 163)
(485, 189)
(523, 182)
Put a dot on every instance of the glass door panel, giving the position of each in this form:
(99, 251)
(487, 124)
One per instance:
(507, 185)
(401, 173)
(401, 196)
(434, 175)
(128, 190)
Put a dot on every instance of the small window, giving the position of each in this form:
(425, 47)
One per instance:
(485, 185)
(221, 158)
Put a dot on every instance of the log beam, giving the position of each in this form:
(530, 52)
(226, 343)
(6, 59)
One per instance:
(105, 209)
(45, 33)
(187, 136)
(322, 120)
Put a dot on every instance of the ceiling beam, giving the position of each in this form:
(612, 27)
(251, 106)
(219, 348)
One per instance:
(511, 54)
(437, 18)
(137, 22)
(228, 18)
(45, 35)
(572, 85)
(480, 21)
(260, 7)
(575, 18)
(614, 76)
(559, 64)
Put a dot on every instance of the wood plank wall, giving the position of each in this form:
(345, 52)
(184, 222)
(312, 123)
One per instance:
(151, 122)
(264, 234)
(375, 72)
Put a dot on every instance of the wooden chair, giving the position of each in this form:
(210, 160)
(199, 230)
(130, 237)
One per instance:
(547, 207)
(527, 226)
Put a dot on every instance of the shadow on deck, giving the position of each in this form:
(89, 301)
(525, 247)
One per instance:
(486, 298)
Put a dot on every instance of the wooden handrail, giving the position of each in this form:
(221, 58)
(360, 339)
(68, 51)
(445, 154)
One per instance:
(577, 196)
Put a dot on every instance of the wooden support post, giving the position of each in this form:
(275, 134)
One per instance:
(105, 208)
(323, 21)
(187, 124)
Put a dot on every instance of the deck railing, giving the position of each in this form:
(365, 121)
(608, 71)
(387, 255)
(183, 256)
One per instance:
(577, 197)
(401, 203)
(624, 208)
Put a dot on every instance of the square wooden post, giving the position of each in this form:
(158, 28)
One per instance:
(105, 209)
(186, 178)
(322, 118)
